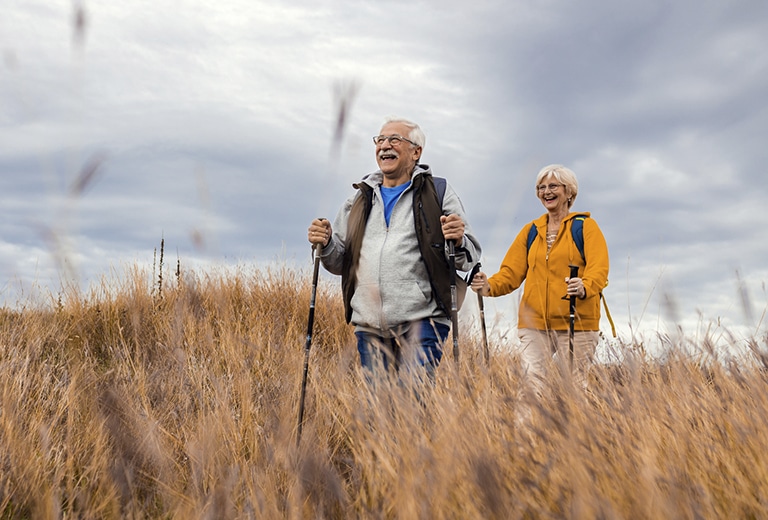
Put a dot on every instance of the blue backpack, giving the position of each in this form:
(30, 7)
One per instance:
(577, 233)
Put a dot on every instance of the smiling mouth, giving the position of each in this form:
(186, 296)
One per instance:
(387, 156)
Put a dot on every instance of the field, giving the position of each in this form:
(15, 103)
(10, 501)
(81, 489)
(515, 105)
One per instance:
(142, 400)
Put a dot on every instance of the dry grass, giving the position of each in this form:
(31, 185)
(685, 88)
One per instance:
(122, 404)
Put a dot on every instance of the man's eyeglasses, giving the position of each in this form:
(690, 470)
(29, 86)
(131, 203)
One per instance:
(394, 140)
(552, 187)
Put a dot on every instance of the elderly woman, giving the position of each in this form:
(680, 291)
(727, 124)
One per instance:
(541, 255)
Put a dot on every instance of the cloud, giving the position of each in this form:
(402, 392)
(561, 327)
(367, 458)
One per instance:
(216, 124)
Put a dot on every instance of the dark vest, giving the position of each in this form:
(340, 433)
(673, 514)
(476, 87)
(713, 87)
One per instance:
(427, 210)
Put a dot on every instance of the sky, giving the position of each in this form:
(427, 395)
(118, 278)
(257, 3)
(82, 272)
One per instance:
(214, 126)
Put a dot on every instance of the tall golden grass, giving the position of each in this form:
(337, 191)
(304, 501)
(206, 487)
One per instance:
(122, 402)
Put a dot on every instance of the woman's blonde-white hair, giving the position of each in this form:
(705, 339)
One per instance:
(564, 176)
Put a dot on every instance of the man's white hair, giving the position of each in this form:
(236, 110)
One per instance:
(416, 134)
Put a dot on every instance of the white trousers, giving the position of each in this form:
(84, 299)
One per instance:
(537, 348)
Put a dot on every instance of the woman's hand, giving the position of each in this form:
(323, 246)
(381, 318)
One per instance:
(576, 287)
(480, 284)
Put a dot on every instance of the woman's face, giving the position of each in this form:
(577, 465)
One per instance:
(552, 194)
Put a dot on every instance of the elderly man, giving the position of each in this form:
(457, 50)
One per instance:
(389, 244)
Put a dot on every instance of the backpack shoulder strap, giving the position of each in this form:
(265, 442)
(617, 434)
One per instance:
(532, 234)
(577, 233)
(439, 188)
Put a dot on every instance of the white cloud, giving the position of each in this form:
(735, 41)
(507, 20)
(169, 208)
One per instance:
(658, 108)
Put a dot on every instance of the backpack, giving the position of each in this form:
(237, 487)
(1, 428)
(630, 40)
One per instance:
(461, 283)
(577, 234)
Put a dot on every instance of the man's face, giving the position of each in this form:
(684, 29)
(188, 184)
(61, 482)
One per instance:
(396, 161)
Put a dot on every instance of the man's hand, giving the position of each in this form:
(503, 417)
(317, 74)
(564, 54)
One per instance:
(453, 228)
(319, 232)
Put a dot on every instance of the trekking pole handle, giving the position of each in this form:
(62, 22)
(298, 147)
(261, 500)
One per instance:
(316, 246)
(574, 272)
(572, 297)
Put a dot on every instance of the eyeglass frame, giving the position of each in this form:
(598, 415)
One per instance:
(541, 188)
(381, 139)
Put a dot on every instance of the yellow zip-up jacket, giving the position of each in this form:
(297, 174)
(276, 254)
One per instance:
(542, 306)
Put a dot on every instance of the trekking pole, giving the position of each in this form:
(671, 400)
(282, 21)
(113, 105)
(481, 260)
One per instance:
(574, 274)
(308, 343)
(480, 305)
(454, 304)
(482, 327)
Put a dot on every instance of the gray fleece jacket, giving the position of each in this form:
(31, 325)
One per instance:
(393, 287)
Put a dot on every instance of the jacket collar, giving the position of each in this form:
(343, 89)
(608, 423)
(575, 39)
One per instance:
(376, 178)
(542, 220)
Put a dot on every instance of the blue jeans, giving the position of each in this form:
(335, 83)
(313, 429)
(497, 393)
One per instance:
(426, 338)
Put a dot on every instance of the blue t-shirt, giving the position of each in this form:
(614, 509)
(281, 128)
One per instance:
(390, 196)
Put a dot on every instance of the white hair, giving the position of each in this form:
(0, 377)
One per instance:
(416, 134)
(564, 176)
